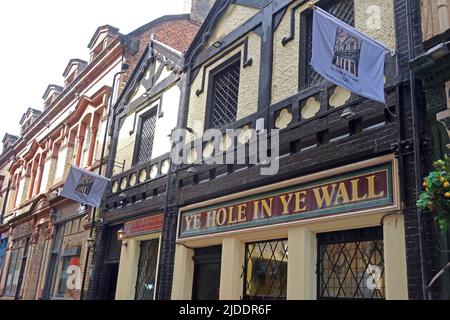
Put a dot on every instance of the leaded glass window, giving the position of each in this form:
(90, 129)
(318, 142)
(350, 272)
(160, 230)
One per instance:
(341, 9)
(265, 272)
(351, 265)
(225, 95)
(146, 137)
(146, 279)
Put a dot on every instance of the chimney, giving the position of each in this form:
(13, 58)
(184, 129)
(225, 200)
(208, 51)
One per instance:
(51, 94)
(8, 141)
(198, 9)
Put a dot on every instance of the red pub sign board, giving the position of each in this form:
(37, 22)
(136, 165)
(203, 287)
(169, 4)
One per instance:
(143, 226)
(359, 190)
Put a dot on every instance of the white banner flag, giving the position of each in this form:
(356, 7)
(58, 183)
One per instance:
(84, 187)
(348, 58)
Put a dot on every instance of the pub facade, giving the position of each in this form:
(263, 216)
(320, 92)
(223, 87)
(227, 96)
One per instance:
(130, 242)
(338, 219)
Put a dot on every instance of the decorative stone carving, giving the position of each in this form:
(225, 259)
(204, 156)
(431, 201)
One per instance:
(153, 172)
(284, 118)
(115, 187)
(225, 143)
(133, 179)
(340, 97)
(311, 108)
(123, 183)
(165, 167)
(208, 150)
(191, 156)
(245, 135)
(142, 175)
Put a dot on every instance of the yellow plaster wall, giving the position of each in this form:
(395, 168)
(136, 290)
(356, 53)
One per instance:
(248, 88)
(183, 273)
(376, 19)
(373, 17)
(234, 16)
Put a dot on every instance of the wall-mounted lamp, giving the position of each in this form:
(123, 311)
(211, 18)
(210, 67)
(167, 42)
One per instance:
(90, 241)
(121, 237)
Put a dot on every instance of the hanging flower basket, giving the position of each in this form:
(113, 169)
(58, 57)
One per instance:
(436, 193)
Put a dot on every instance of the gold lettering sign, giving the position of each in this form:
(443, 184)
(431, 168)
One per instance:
(369, 188)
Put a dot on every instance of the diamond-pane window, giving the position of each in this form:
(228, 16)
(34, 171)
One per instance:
(344, 10)
(146, 137)
(225, 95)
(146, 278)
(265, 272)
(351, 265)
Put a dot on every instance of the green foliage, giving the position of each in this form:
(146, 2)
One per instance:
(436, 193)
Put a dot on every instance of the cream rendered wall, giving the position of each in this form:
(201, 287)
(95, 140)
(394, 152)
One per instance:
(234, 16)
(164, 126)
(248, 88)
(373, 17)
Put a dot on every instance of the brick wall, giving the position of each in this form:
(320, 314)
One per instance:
(407, 169)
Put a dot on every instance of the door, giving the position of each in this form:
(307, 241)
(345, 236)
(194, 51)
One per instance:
(22, 269)
(112, 272)
(207, 273)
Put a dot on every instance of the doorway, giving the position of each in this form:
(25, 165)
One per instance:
(112, 273)
(207, 273)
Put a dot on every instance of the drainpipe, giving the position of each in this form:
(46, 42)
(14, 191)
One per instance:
(411, 12)
(442, 8)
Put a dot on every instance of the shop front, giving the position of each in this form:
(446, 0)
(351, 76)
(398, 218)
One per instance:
(139, 256)
(18, 256)
(67, 252)
(336, 234)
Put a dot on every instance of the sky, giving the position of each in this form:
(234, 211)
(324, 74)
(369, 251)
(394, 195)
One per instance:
(39, 37)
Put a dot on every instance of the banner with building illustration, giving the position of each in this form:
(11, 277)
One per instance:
(347, 57)
(84, 187)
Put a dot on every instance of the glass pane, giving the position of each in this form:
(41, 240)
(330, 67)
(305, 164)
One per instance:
(266, 270)
(352, 270)
(69, 278)
(146, 138)
(11, 269)
(146, 279)
(226, 93)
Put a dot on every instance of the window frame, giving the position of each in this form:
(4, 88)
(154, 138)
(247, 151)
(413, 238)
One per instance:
(347, 236)
(245, 296)
(236, 58)
(153, 111)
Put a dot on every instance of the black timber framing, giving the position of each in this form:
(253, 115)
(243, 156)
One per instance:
(308, 146)
(395, 136)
